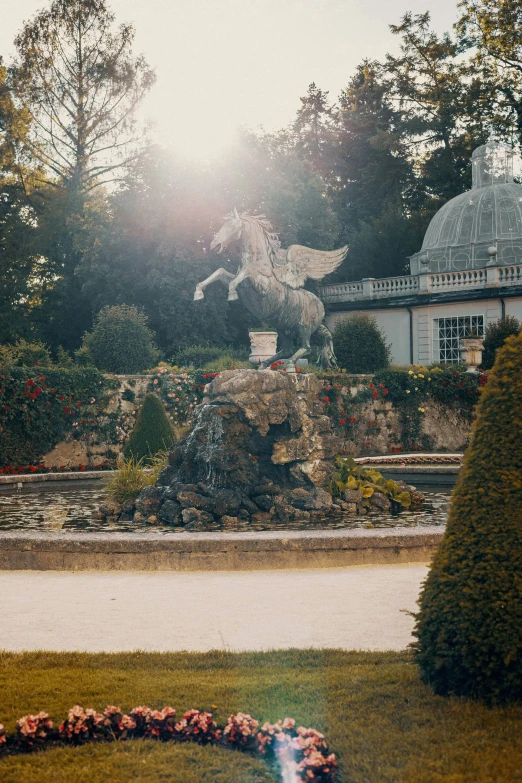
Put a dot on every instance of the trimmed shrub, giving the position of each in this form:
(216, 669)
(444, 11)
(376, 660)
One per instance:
(152, 432)
(360, 345)
(495, 337)
(121, 341)
(469, 627)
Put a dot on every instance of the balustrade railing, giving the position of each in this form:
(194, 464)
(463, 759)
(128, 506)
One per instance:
(510, 275)
(342, 292)
(426, 283)
(395, 286)
(473, 278)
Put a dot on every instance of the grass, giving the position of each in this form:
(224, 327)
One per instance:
(381, 721)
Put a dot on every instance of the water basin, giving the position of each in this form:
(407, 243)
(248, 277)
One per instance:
(72, 509)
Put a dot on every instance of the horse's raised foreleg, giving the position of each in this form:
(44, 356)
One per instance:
(220, 275)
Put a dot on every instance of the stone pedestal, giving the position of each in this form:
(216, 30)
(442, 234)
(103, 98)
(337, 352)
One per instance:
(263, 345)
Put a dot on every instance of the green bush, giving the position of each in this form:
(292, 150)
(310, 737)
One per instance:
(469, 626)
(120, 342)
(495, 337)
(152, 432)
(205, 356)
(25, 354)
(359, 344)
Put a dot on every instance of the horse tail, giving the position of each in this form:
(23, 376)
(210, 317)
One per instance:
(326, 359)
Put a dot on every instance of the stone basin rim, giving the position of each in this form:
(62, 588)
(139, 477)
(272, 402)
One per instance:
(213, 536)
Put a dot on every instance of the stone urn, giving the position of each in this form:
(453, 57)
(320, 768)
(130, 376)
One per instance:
(471, 349)
(263, 345)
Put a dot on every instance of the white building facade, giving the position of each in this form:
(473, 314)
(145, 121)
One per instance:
(467, 274)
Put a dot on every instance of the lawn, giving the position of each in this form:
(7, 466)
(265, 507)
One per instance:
(382, 723)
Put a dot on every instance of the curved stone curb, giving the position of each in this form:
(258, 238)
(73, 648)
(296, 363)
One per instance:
(34, 478)
(215, 551)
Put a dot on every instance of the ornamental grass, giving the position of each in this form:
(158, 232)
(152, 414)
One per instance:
(381, 721)
(469, 627)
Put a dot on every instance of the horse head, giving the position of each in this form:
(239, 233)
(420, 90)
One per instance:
(229, 232)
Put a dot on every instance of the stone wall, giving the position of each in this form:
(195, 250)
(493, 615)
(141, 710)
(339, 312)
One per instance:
(378, 429)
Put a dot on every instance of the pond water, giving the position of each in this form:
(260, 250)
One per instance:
(73, 510)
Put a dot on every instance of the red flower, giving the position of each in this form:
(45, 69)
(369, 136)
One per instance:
(385, 391)
(375, 394)
(325, 399)
(352, 419)
(61, 397)
(342, 421)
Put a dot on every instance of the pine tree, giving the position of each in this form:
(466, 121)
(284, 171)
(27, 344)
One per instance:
(469, 626)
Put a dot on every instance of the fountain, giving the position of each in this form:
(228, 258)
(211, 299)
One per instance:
(260, 450)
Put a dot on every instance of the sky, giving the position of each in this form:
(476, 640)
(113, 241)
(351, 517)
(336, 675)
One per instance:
(223, 64)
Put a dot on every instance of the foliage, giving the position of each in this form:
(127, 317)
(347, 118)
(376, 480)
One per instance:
(368, 481)
(359, 344)
(495, 337)
(38, 408)
(152, 432)
(204, 356)
(180, 392)
(436, 92)
(491, 31)
(77, 78)
(363, 702)
(127, 482)
(469, 626)
(121, 341)
(25, 354)
(410, 391)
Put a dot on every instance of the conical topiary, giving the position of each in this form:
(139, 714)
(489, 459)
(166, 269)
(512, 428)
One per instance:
(469, 627)
(152, 432)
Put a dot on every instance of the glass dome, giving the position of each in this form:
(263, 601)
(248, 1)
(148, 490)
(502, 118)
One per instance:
(481, 226)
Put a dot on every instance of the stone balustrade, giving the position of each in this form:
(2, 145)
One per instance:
(428, 282)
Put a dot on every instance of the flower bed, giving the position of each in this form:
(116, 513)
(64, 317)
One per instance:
(299, 753)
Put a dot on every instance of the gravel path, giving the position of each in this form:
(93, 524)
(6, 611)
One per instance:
(361, 607)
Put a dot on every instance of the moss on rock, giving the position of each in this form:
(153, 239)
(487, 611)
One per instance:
(469, 627)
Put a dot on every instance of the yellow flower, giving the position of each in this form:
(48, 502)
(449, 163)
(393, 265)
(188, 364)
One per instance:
(429, 379)
(410, 372)
(407, 391)
(421, 410)
(414, 376)
(421, 375)
(416, 388)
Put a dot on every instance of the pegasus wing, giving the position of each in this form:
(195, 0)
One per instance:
(303, 262)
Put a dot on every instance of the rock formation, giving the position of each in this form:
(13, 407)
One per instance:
(260, 450)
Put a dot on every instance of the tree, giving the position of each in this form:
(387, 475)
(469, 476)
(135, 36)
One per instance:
(121, 341)
(495, 337)
(152, 432)
(437, 94)
(79, 82)
(359, 344)
(313, 127)
(469, 627)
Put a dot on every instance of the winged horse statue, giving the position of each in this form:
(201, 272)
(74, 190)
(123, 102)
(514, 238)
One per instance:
(270, 284)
